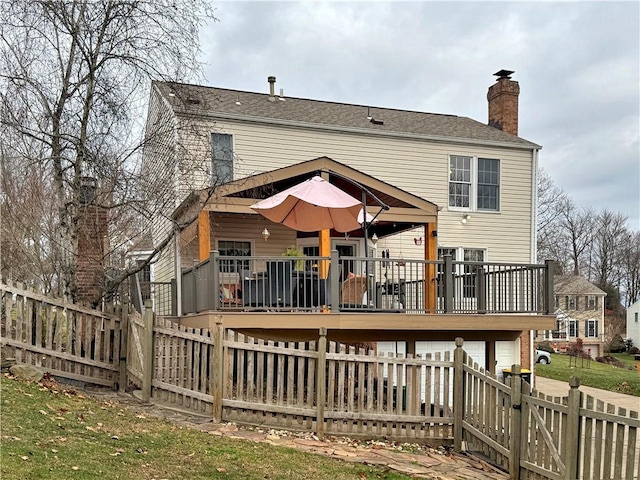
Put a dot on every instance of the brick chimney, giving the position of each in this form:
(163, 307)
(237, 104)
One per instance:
(503, 103)
(92, 235)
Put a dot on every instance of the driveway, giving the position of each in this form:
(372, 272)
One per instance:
(559, 388)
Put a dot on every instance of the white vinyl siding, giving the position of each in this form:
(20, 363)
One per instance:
(424, 172)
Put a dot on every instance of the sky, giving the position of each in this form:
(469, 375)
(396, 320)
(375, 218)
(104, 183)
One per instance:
(577, 63)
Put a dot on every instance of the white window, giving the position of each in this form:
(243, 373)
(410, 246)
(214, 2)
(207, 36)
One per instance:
(572, 328)
(571, 302)
(591, 302)
(591, 328)
(234, 248)
(221, 158)
(465, 274)
(474, 183)
(557, 301)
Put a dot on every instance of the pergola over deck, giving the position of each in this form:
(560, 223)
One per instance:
(406, 212)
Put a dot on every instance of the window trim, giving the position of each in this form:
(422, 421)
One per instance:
(250, 242)
(576, 323)
(587, 324)
(473, 189)
(213, 174)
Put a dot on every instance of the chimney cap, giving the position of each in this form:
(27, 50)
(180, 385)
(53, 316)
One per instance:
(504, 74)
(271, 79)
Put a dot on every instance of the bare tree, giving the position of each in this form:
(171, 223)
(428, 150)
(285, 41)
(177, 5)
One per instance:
(552, 201)
(75, 76)
(631, 267)
(607, 253)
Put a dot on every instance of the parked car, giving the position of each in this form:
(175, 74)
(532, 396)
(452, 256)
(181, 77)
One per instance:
(543, 357)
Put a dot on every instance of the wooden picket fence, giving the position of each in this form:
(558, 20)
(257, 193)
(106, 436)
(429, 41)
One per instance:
(64, 339)
(325, 387)
(534, 436)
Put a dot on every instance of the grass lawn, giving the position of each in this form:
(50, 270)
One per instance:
(594, 374)
(63, 435)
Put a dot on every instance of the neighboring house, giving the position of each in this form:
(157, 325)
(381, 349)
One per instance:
(633, 323)
(482, 177)
(579, 314)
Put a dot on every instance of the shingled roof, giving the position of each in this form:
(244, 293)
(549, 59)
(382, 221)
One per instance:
(574, 285)
(256, 107)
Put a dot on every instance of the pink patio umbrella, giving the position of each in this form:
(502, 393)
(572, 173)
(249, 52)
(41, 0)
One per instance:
(313, 205)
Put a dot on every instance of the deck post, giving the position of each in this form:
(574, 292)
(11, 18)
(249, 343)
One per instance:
(572, 438)
(549, 303)
(481, 289)
(217, 366)
(148, 353)
(448, 284)
(516, 423)
(214, 278)
(174, 297)
(458, 393)
(321, 382)
(334, 282)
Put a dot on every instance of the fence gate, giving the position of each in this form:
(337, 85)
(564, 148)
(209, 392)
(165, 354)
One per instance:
(545, 433)
(486, 416)
(135, 349)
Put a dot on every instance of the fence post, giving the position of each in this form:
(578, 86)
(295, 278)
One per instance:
(124, 346)
(217, 366)
(321, 382)
(458, 394)
(448, 284)
(516, 423)
(148, 353)
(572, 439)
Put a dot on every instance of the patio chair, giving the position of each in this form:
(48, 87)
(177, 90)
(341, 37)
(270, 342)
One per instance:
(353, 290)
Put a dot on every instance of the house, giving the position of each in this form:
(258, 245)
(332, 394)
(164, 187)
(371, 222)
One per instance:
(458, 189)
(633, 323)
(579, 312)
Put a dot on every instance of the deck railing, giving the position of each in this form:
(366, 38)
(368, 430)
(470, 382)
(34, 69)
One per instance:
(355, 284)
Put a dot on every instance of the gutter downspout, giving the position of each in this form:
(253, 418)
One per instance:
(534, 248)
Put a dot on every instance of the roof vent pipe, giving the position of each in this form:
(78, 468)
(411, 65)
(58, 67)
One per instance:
(272, 88)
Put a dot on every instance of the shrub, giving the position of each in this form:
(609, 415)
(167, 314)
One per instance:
(617, 345)
(546, 347)
(610, 360)
(634, 351)
(628, 343)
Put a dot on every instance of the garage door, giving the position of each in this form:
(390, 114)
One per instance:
(475, 349)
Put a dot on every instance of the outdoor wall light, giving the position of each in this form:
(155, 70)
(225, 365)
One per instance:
(465, 218)
(417, 240)
(374, 238)
(265, 234)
